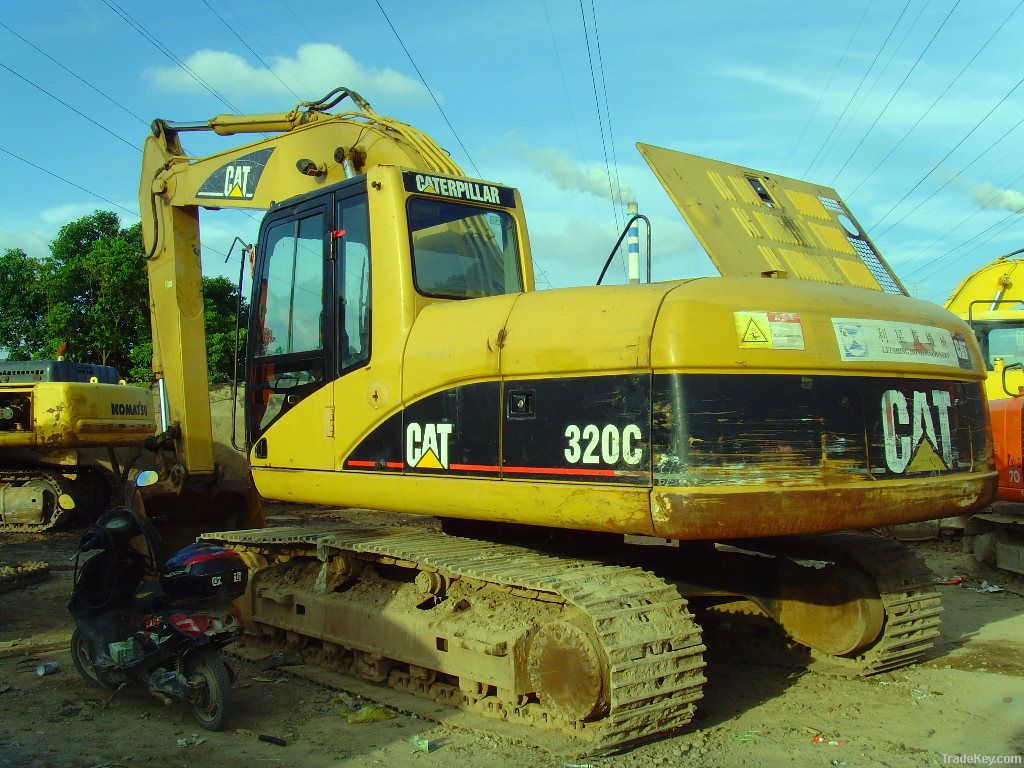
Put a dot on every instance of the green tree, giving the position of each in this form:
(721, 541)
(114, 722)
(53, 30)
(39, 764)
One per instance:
(92, 294)
(220, 296)
(21, 304)
(97, 294)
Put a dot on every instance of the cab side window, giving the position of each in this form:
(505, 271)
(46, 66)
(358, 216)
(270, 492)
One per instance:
(291, 291)
(354, 286)
(287, 335)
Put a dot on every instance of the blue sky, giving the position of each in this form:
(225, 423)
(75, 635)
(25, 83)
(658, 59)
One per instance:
(909, 109)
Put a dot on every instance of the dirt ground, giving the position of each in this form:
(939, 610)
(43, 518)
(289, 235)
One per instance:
(967, 698)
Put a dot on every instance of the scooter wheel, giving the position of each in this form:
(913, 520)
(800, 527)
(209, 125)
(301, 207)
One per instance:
(84, 666)
(209, 689)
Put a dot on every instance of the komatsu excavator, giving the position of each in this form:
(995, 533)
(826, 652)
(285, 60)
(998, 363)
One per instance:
(614, 467)
(992, 304)
(50, 411)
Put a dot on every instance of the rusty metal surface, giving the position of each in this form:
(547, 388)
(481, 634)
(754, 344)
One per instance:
(731, 513)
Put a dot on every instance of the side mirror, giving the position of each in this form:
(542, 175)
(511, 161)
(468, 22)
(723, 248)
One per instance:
(1011, 367)
(146, 478)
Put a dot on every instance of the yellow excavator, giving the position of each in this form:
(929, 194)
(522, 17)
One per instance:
(992, 304)
(51, 411)
(615, 468)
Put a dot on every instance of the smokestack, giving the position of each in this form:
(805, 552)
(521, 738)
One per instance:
(633, 245)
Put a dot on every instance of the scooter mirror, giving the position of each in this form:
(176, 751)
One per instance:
(146, 478)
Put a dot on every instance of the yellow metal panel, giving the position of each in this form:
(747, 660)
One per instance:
(770, 258)
(581, 330)
(834, 240)
(721, 186)
(579, 506)
(764, 206)
(715, 306)
(743, 190)
(807, 204)
(744, 219)
(74, 414)
(453, 342)
(856, 273)
(778, 230)
(803, 267)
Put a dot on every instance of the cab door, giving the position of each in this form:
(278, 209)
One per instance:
(291, 352)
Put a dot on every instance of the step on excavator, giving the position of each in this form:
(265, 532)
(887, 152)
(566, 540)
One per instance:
(625, 476)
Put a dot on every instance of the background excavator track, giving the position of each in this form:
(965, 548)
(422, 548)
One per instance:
(93, 489)
(906, 588)
(631, 625)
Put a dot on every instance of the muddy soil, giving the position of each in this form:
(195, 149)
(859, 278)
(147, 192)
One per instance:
(967, 698)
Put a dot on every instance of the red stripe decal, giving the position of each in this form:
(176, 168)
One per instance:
(577, 471)
(560, 471)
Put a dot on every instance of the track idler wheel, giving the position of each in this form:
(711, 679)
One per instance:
(835, 609)
(566, 671)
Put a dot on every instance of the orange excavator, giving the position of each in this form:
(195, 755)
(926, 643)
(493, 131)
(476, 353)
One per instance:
(993, 305)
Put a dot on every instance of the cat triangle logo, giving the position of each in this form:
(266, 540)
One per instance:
(926, 459)
(426, 445)
(429, 461)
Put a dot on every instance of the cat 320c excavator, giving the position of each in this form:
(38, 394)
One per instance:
(614, 467)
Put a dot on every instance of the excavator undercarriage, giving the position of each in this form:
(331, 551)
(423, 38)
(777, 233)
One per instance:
(605, 653)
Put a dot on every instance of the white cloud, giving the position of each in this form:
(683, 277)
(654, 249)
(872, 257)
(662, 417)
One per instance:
(316, 69)
(557, 166)
(990, 196)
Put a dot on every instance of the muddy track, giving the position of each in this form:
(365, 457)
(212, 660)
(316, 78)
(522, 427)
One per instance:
(626, 626)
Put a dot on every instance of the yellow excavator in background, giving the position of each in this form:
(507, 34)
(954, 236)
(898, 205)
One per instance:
(615, 468)
(50, 411)
(994, 308)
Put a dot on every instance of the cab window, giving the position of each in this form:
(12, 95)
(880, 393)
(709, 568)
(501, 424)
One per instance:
(463, 251)
(291, 294)
(354, 297)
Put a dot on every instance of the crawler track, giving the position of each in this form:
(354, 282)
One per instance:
(92, 489)
(912, 607)
(630, 633)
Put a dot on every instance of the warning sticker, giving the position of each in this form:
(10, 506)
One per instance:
(770, 330)
(886, 341)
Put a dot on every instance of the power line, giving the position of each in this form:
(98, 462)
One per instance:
(872, 87)
(82, 80)
(76, 111)
(856, 90)
(67, 181)
(600, 119)
(895, 92)
(127, 18)
(607, 111)
(936, 101)
(831, 77)
(565, 85)
(946, 156)
(1005, 220)
(423, 80)
(250, 49)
